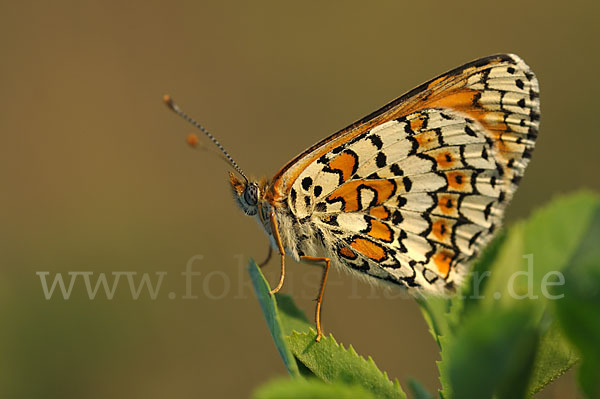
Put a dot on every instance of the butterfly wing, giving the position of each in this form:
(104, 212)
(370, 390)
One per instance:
(412, 192)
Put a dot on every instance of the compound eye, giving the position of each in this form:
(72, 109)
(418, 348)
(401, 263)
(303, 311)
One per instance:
(251, 195)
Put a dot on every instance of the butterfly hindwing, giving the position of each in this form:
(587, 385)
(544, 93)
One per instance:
(413, 192)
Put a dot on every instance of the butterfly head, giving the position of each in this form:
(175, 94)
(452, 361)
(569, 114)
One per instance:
(247, 194)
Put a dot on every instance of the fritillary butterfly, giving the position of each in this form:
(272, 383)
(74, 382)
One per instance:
(411, 193)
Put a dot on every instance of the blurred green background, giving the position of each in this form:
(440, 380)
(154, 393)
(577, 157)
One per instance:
(96, 175)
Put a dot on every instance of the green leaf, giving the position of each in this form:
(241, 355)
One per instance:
(476, 284)
(418, 390)
(579, 308)
(554, 233)
(522, 264)
(508, 261)
(295, 341)
(533, 251)
(268, 305)
(310, 388)
(554, 358)
(331, 362)
(435, 311)
(500, 261)
(292, 318)
(492, 355)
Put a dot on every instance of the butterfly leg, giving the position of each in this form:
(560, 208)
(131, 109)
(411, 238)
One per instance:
(315, 259)
(264, 262)
(275, 230)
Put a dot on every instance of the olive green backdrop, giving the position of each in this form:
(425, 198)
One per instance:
(96, 175)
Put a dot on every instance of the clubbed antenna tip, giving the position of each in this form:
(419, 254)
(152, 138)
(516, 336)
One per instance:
(168, 102)
(192, 140)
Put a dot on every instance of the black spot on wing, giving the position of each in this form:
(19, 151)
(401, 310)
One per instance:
(293, 197)
(376, 141)
(338, 149)
(306, 183)
(485, 75)
(520, 84)
(484, 154)
(407, 183)
(533, 94)
(501, 196)
(381, 160)
(516, 179)
(395, 169)
(470, 131)
(401, 201)
(307, 201)
(397, 218)
(402, 236)
(476, 99)
(534, 115)
(474, 238)
(529, 75)
(487, 210)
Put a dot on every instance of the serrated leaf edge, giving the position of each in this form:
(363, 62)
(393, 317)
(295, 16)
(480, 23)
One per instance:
(369, 360)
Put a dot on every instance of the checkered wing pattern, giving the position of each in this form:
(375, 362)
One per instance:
(413, 192)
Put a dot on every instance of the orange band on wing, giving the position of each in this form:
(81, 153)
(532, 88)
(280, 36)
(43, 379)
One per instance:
(346, 163)
(448, 204)
(381, 231)
(465, 100)
(379, 212)
(369, 249)
(445, 160)
(440, 230)
(426, 140)
(348, 192)
(416, 124)
(457, 180)
(347, 253)
(442, 261)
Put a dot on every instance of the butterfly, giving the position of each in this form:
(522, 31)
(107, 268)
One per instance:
(411, 193)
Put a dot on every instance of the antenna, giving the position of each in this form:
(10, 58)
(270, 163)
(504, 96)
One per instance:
(173, 107)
